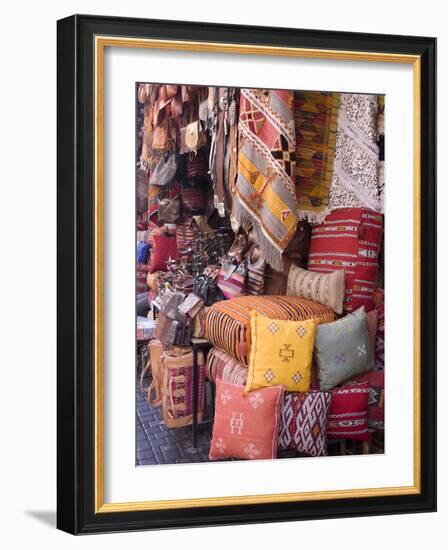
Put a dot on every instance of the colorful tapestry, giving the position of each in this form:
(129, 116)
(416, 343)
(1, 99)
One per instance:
(315, 115)
(265, 188)
(349, 240)
(245, 427)
(303, 422)
(348, 413)
(221, 365)
(355, 173)
(228, 322)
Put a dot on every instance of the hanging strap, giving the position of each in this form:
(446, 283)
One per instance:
(155, 379)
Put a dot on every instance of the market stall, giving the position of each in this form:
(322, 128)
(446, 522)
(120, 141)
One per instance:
(259, 275)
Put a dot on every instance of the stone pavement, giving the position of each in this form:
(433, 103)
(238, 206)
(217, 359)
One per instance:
(157, 444)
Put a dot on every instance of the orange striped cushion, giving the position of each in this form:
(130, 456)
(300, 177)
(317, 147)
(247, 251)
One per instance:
(227, 325)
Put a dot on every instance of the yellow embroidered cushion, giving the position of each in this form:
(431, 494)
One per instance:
(281, 353)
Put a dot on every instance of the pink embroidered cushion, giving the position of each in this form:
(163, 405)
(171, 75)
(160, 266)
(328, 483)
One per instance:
(245, 426)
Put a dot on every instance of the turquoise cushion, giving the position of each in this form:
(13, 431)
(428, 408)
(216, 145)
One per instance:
(342, 349)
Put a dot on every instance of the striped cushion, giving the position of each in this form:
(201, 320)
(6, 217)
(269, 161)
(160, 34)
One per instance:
(349, 240)
(228, 322)
(221, 365)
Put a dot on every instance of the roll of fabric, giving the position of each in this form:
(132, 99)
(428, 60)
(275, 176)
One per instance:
(265, 188)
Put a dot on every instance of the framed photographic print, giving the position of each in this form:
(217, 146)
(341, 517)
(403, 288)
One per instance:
(247, 274)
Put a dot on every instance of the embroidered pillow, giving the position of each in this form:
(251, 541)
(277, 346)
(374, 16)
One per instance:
(327, 289)
(303, 422)
(245, 426)
(348, 413)
(281, 353)
(342, 349)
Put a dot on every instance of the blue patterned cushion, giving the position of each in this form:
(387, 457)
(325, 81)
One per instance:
(342, 349)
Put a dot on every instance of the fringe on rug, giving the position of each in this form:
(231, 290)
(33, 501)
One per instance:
(270, 251)
(313, 218)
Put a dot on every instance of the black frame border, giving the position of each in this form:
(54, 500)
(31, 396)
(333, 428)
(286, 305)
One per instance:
(76, 262)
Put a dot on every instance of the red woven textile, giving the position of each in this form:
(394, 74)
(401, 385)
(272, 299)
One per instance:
(349, 239)
(348, 413)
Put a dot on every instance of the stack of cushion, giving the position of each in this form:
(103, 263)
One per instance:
(281, 356)
(228, 322)
(266, 346)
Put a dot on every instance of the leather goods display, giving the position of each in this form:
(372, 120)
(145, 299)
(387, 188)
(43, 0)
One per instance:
(192, 137)
(199, 323)
(193, 199)
(163, 170)
(177, 374)
(196, 166)
(191, 305)
(232, 279)
(207, 289)
(161, 136)
(173, 332)
(174, 325)
(142, 191)
(169, 210)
